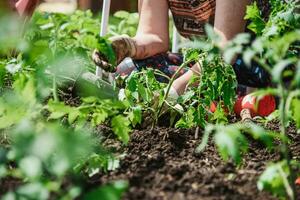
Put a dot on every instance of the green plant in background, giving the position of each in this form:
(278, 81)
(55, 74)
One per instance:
(144, 92)
(48, 158)
(119, 114)
(123, 23)
(275, 179)
(45, 153)
(217, 84)
(39, 129)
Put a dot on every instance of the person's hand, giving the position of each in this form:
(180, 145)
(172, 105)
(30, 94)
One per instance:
(26, 7)
(123, 47)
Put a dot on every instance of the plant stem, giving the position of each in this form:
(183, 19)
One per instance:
(284, 146)
(54, 89)
(290, 97)
(183, 65)
(262, 64)
(287, 186)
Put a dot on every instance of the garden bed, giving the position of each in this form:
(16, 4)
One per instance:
(162, 165)
(66, 134)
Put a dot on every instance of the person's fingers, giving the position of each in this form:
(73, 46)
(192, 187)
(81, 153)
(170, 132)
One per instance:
(100, 61)
(96, 57)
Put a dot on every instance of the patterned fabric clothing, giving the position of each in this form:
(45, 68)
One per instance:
(190, 16)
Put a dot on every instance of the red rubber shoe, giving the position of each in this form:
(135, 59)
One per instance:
(265, 106)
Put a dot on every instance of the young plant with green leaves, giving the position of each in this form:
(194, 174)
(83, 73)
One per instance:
(48, 158)
(275, 49)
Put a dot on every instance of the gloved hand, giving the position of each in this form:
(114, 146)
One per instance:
(123, 46)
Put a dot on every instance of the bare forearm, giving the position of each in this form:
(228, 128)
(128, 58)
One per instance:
(153, 30)
(229, 18)
(181, 83)
(149, 45)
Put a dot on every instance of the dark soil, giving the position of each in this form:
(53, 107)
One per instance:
(162, 165)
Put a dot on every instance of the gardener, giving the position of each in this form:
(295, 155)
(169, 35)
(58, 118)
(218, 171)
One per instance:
(149, 46)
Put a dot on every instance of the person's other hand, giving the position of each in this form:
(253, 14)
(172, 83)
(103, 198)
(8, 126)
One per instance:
(123, 47)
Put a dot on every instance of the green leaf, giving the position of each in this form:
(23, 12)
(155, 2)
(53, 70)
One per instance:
(295, 111)
(220, 116)
(253, 14)
(212, 35)
(187, 120)
(112, 191)
(73, 115)
(90, 99)
(247, 56)
(208, 130)
(105, 47)
(228, 95)
(31, 167)
(3, 171)
(122, 14)
(231, 52)
(135, 115)
(59, 110)
(273, 179)
(57, 115)
(186, 97)
(279, 68)
(297, 75)
(29, 92)
(99, 117)
(230, 142)
(132, 83)
(259, 133)
(143, 92)
(33, 191)
(121, 127)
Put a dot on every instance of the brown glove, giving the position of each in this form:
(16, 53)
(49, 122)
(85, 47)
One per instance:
(123, 47)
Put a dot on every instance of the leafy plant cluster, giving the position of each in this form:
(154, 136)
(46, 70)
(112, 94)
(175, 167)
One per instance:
(47, 146)
(276, 49)
(215, 84)
(123, 23)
